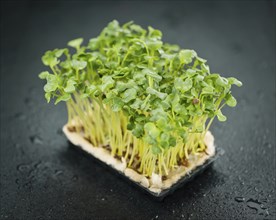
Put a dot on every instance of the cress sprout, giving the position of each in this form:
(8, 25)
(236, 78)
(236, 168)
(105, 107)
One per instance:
(147, 100)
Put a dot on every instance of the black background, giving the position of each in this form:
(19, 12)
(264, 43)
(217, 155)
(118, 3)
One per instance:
(43, 177)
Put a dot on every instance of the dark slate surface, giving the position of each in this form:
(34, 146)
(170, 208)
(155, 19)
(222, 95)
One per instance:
(42, 177)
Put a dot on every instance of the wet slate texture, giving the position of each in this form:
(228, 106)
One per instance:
(43, 177)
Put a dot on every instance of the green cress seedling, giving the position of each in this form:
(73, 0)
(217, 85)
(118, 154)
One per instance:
(147, 100)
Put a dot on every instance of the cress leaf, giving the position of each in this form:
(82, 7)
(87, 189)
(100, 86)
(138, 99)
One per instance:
(70, 86)
(186, 56)
(43, 75)
(78, 65)
(128, 95)
(234, 81)
(231, 101)
(220, 116)
(52, 83)
(64, 97)
(75, 43)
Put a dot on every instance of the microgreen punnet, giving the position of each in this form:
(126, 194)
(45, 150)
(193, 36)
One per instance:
(144, 98)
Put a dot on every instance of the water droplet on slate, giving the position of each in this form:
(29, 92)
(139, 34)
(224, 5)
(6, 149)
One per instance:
(239, 199)
(26, 185)
(23, 167)
(35, 139)
(37, 164)
(58, 172)
(257, 206)
(267, 144)
(75, 178)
